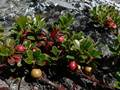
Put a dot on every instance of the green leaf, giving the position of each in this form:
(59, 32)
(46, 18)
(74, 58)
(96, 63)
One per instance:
(21, 21)
(39, 22)
(1, 43)
(4, 51)
(94, 53)
(113, 50)
(37, 55)
(76, 44)
(40, 58)
(118, 38)
(117, 84)
(66, 20)
(19, 64)
(2, 37)
(86, 43)
(55, 51)
(54, 58)
(27, 43)
(1, 29)
(70, 57)
(10, 42)
(29, 59)
(31, 37)
(84, 57)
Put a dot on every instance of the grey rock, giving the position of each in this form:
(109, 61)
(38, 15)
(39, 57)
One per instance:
(3, 84)
(24, 85)
(2, 3)
(62, 3)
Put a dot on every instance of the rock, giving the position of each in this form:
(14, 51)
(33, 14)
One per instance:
(62, 3)
(117, 1)
(24, 85)
(3, 84)
(71, 85)
(3, 3)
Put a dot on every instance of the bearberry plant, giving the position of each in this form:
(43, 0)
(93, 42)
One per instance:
(106, 16)
(34, 44)
(6, 45)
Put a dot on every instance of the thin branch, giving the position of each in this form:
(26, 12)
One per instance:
(2, 65)
(58, 87)
(19, 84)
(100, 83)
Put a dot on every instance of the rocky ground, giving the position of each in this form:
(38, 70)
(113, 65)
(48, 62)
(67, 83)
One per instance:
(117, 1)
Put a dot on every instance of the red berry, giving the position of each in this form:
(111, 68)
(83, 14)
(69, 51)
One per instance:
(20, 48)
(61, 39)
(54, 33)
(17, 58)
(110, 23)
(114, 26)
(50, 43)
(72, 65)
(14, 59)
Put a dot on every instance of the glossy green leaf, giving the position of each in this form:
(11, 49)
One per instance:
(94, 53)
(86, 43)
(66, 20)
(77, 44)
(39, 22)
(4, 51)
(10, 42)
(118, 38)
(55, 51)
(31, 37)
(70, 57)
(29, 59)
(2, 36)
(27, 43)
(40, 56)
(43, 58)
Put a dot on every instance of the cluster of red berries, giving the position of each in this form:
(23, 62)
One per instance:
(45, 40)
(17, 57)
(57, 35)
(110, 23)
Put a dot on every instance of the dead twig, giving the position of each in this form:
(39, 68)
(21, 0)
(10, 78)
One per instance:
(19, 84)
(58, 87)
(2, 65)
(94, 80)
